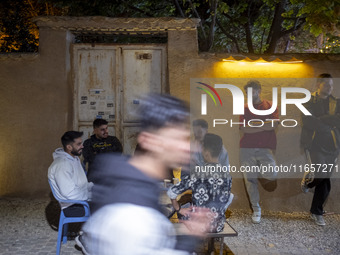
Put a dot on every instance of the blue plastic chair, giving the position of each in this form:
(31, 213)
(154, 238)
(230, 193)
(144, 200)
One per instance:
(63, 220)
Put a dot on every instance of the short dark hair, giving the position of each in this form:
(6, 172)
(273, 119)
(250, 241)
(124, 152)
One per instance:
(323, 78)
(253, 84)
(213, 143)
(99, 122)
(157, 111)
(69, 137)
(200, 122)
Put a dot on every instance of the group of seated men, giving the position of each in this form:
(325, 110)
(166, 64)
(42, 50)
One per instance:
(121, 182)
(68, 175)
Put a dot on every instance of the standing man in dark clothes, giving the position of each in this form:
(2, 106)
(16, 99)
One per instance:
(320, 137)
(100, 142)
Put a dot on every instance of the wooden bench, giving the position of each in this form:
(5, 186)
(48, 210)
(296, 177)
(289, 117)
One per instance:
(228, 231)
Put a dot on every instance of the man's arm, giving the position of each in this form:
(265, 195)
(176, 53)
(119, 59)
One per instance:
(116, 144)
(267, 126)
(223, 159)
(176, 190)
(64, 178)
(312, 122)
(315, 124)
(247, 129)
(331, 120)
(88, 152)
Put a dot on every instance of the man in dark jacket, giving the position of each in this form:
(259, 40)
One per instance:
(127, 217)
(320, 138)
(100, 142)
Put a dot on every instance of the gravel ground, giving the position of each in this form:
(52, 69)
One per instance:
(284, 233)
(25, 230)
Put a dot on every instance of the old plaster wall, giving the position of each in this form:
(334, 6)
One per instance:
(35, 99)
(36, 102)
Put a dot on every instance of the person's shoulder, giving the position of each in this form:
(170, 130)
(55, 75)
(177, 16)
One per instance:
(266, 102)
(61, 162)
(89, 140)
(314, 98)
(112, 137)
(223, 151)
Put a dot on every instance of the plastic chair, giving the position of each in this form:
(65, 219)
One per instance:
(63, 220)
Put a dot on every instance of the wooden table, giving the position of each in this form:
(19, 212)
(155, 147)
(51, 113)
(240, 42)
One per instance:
(228, 231)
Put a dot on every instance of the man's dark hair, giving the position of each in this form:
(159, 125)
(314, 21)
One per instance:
(157, 111)
(69, 137)
(324, 77)
(99, 122)
(213, 143)
(252, 84)
(200, 122)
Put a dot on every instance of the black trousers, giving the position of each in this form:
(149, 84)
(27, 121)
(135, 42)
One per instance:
(75, 210)
(321, 182)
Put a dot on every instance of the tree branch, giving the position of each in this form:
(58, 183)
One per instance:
(33, 11)
(213, 11)
(228, 16)
(262, 38)
(275, 29)
(297, 27)
(233, 38)
(179, 9)
(248, 32)
(198, 16)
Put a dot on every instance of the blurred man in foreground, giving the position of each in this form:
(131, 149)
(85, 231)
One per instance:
(128, 217)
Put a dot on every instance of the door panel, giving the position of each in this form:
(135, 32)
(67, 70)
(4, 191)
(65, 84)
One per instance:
(129, 137)
(96, 84)
(142, 73)
(108, 82)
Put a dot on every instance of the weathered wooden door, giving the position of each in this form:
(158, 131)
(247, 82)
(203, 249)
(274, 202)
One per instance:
(108, 82)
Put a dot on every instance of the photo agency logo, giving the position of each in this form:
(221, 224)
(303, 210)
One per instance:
(239, 100)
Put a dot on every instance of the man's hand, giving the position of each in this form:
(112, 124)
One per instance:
(199, 221)
(185, 211)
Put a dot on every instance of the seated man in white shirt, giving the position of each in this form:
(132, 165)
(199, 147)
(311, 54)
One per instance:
(67, 175)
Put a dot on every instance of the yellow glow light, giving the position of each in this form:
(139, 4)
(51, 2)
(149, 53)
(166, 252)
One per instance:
(262, 69)
(261, 61)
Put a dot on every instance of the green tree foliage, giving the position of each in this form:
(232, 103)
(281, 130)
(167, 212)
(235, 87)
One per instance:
(270, 25)
(254, 26)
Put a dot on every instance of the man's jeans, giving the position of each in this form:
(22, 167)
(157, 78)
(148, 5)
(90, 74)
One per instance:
(249, 158)
(321, 182)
